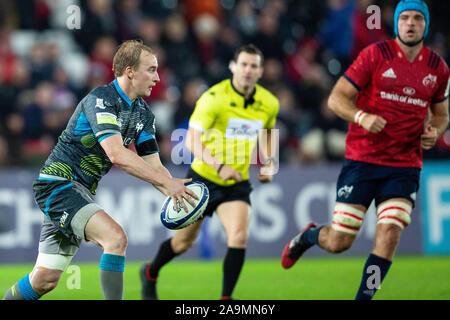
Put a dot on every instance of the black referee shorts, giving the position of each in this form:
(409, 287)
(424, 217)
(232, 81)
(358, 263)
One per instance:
(220, 194)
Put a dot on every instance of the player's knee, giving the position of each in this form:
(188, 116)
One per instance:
(389, 235)
(238, 238)
(181, 245)
(392, 232)
(117, 241)
(347, 220)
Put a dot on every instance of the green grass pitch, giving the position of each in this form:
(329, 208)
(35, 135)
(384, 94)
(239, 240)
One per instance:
(330, 278)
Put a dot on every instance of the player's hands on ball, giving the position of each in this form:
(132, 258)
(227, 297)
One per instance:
(373, 123)
(429, 137)
(176, 189)
(228, 173)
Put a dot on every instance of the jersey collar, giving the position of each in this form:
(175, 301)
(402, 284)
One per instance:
(121, 93)
(401, 55)
(250, 99)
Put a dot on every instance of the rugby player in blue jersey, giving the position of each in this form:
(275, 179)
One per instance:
(97, 137)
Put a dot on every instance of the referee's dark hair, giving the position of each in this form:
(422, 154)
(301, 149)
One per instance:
(251, 49)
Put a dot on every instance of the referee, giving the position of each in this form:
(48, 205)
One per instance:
(224, 128)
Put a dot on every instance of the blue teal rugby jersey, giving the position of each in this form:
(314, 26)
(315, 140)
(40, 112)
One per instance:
(105, 111)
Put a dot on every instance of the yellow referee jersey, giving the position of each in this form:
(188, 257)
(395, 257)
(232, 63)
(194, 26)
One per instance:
(230, 126)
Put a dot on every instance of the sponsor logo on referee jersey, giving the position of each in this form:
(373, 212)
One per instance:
(243, 129)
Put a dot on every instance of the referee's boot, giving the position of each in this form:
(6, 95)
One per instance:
(295, 248)
(148, 283)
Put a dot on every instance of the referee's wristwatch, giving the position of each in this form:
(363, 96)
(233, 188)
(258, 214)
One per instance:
(220, 168)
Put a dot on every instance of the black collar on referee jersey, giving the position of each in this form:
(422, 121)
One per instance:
(250, 100)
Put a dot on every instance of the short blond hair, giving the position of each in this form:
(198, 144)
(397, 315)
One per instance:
(128, 55)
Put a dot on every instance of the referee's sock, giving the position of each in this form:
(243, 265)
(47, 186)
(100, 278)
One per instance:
(164, 255)
(374, 272)
(21, 290)
(111, 276)
(232, 266)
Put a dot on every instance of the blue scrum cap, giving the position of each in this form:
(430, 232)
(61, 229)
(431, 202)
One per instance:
(417, 5)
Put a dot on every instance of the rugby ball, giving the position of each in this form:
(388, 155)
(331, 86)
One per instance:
(178, 219)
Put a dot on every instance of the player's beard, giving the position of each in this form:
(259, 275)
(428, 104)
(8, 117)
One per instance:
(410, 43)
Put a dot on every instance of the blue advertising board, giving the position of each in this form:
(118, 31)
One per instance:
(435, 190)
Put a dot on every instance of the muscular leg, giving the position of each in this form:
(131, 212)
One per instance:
(184, 238)
(102, 230)
(44, 280)
(347, 220)
(50, 265)
(169, 249)
(387, 237)
(235, 218)
(178, 244)
(31, 287)
(334, 241)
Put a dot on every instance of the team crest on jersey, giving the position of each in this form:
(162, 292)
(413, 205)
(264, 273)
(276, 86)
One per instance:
(345, 191)
(127, 141)
(99, 104)
(429, 81)
(139, 126)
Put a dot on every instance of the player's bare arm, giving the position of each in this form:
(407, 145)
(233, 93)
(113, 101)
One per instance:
(132, 164)
(199, 150)
(155, 161)
(265, 148)
(341, 101)
(436, 125)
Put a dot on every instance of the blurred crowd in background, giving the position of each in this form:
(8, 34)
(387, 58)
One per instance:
(46, 67)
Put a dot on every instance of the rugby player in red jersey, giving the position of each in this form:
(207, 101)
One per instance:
(395, 96)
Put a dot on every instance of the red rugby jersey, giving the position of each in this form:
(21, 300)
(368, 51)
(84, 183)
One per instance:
(401, 92)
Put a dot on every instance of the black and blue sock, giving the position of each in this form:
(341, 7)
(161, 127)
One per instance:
(374, 272)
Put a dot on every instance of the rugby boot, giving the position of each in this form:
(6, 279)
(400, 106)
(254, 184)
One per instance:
(148, 283)
(294, 249)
